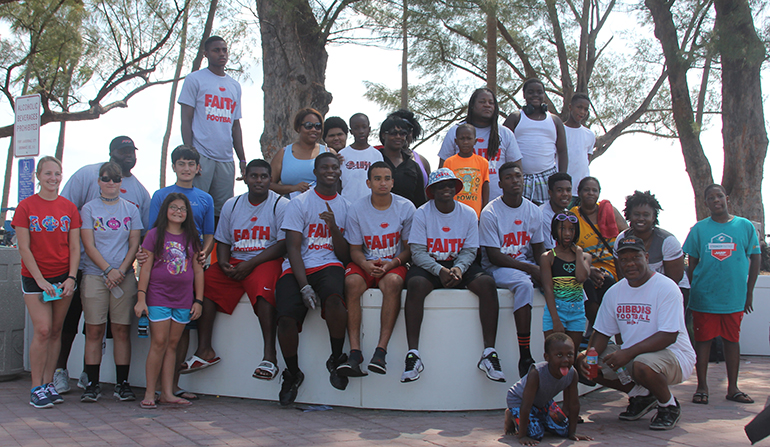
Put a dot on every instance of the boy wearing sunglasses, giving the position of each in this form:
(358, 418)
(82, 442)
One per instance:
(511, 233)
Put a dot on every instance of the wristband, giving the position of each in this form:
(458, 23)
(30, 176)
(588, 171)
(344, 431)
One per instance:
(107, 270)
(399, 260)
(141, 291)
(72, 278)
(197, 301)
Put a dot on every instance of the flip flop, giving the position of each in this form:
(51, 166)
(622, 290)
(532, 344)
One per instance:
(700, 398)
(196, 363)
(179, 402)
(740, 397)
(186, 395)
(148, 404)
(266, 370)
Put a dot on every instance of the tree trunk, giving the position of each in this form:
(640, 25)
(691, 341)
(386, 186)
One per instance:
(206, 34)
(172, 98)
(294, 66)
(743, 123)
(405, 58)
(696, 163)
(492, 45)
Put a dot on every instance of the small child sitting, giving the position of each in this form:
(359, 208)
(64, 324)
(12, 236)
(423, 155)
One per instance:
(531, 409)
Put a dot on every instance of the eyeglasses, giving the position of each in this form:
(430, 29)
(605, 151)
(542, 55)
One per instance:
(107, 179)
(563, 217)
(398, 133)
(175, 208)
(309, 125)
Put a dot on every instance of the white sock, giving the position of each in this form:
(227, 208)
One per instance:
(638, 390)
(671, 402)
(488, 351)
(414, 351)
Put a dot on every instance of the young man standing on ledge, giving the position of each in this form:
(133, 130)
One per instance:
(211, 113)
(444, 239)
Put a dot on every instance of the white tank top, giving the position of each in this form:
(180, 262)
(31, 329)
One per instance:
(537, 143)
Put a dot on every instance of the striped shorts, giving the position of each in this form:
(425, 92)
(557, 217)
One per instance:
(536, 186)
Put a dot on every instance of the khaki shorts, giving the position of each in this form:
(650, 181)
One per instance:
(98, 300)
(662, 362)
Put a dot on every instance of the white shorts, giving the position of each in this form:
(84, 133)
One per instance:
(518, 282)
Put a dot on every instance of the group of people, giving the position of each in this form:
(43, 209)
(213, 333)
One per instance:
(510, 207)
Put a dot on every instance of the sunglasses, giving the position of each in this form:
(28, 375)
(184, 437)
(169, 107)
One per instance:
(563, 217)
(316, 126)
(398, 133)
(107, 179)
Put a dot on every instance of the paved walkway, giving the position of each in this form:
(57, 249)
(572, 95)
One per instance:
(214, 421)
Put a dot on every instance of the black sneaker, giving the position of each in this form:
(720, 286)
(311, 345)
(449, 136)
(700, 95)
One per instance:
(124, 392)
(339, 382)
(290, 387)
(637, 407)
(524, 365)
(351, 368)
(377, 364)
(92, 393)
(667, 417)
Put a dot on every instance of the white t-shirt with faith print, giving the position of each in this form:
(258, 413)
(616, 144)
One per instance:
(445, 235)
(249, 229)
(380, 232)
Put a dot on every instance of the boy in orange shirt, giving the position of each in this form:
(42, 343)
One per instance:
(472, 169)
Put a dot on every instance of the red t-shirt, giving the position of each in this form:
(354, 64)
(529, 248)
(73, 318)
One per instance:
(49, 223)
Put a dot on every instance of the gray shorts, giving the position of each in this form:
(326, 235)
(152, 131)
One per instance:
(218, 179)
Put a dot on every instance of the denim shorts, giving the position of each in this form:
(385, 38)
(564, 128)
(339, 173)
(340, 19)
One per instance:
(163, 313)
(572, 315)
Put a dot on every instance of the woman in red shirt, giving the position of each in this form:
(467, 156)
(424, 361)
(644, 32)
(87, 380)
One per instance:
(48, 233)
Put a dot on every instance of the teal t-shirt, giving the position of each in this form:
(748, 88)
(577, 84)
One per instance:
(723, 249)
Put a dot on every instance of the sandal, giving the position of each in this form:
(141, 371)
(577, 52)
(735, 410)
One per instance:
(700, 398)
(148, 404)
(266, 370)
(740, 397)
(196, 363)
(179, 402)
(186, 395)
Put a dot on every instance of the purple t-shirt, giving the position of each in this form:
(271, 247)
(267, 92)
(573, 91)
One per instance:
(172, 275)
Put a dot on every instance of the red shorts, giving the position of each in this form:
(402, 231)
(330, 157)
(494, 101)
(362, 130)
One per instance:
(371, 281)
(227, 292)
(709, 326)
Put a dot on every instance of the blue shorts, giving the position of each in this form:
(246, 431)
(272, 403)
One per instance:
(163, 313)
(550, 418)
(572, 315)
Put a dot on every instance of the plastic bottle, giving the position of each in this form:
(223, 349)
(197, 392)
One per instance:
(117, 292)
(592, 360)
(623, 375)
(143, 326)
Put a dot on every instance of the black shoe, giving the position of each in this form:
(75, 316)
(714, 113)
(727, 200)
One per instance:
(667, 417)
(638, 406)
(124, 392)
(335, 379)
(377, 364)
(524, 365)
(92, 393)
(351, 368)
(289, 387)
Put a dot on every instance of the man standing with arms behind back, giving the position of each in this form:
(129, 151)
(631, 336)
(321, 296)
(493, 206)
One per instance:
(211, 113)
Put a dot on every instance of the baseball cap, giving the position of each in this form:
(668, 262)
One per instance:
(121, 142)
(631, 243)
(442, 175)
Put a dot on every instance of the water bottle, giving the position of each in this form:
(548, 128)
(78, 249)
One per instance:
(143, 326)
(592, 360)
(117, 292)
(623, 375)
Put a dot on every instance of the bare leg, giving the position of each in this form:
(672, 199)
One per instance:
(416, 290)
(159, 334)
(205, 330)
(355, 286)
(702, 352)
(391, 286)
(732, 362)
(336, 316)
(121, 342)
(41, 315)
(169, 364)
(489, 307)
(181, 355)
(266, 314)
(655, 382)
(60, 308)
(93, 348)
(288, 336)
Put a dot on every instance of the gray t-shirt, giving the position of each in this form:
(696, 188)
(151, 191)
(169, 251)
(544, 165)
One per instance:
(112, 225)
(549, 387)
(249, 229)
(380, 232)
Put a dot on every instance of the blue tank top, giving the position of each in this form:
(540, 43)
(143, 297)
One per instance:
(295, 171)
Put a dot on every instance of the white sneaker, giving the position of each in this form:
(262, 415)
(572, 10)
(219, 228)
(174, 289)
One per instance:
(83, 381)
(61, 380)
(413, 368)
(491, 366)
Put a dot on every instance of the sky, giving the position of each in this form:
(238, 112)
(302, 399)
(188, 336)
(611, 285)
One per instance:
(658, 165)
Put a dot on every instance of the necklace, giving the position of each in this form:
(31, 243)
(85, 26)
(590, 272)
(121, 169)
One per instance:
(105, 199)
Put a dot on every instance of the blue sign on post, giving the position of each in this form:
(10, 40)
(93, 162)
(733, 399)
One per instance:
(26, 178)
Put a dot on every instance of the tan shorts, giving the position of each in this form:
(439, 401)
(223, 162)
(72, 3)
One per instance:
(98, 300)
(662, 362)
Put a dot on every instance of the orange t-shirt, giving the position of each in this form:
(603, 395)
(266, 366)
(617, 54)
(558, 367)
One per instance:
(474, 172)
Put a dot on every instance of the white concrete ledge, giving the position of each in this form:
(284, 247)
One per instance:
(450, 346)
